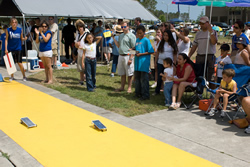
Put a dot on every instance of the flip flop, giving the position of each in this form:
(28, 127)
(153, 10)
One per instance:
(129, 91)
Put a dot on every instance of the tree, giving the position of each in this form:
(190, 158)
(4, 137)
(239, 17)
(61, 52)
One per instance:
(162, 18)
(149, 4)
(184, 16)
(198, 18)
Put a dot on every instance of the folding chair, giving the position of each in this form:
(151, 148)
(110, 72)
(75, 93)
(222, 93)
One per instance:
(242, 77)
(196, 91)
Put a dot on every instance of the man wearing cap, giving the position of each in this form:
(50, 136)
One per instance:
(125, 61)
(200, 42)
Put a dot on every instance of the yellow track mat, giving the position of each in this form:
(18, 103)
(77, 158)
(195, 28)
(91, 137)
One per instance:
(64, 136)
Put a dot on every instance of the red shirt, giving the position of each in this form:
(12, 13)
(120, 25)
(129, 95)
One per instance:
(180, 73)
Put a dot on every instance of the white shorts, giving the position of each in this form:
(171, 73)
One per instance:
(194, 84)
(123, 67)
(46, 54)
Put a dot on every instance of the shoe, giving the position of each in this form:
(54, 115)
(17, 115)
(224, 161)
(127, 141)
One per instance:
(144, 98)
(154, 94)
(211, 112)
(154, 85)
(222, 114)
(93, 90)
(112, 75)
(172, 106)
(247, 130)
(167, 105)
(11, 79)
(81, 83)
(24, 79)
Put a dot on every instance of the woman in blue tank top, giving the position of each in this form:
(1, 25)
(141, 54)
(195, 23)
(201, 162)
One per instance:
(13, 43)
(43, 35)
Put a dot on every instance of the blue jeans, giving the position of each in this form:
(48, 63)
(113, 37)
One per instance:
(160, 69)
(114, 64)
(90, 70)
(167, 92)
(141, 84)
(98, 54)
(2, 54)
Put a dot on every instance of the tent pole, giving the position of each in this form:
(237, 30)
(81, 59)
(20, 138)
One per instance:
(103, 19)
(58, 40)
(25, 44)
(208, 40)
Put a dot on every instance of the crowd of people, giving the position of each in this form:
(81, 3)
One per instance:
(132, 52)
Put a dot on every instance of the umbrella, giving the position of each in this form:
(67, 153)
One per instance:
(185, 2)
(233, 4)
(241, 1)
(217, 28)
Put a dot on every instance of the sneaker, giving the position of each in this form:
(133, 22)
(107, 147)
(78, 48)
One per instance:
(211, 112)
(154, 94)
(222, 114)
(154, 85)
(112, 75)
(172, 106)
(24, 79)
(247, 130)
(11, 79)
(167, 105)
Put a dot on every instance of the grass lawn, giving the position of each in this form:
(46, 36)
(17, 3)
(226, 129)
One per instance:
(66, 81)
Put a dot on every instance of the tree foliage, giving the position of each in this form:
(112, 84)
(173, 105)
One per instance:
(149, 4)
(162, 18)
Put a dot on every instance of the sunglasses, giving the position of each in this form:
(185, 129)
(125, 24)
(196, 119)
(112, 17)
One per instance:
(236, 27)
(123, 26)
(44, 26)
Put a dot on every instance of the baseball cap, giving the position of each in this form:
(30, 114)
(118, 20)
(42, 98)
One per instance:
(225, 47)
(204, 19)
(241, 40)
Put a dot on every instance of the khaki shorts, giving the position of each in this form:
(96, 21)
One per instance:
(107, 50)
(79, 64)
(123, 67)
(200, 59)
(54, 49)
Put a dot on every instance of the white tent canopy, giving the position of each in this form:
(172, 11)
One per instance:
(124, 9)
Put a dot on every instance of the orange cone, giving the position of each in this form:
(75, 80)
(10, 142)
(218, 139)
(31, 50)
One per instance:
(64, 65)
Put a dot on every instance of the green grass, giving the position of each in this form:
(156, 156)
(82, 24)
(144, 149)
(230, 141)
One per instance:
(66, 81)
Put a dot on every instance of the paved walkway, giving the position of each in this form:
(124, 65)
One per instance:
(212, 139)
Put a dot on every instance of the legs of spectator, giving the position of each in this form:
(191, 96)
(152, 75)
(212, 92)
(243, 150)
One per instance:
(93, 72)
(114, 64)
(66, 45)
(167, 93)
(49, 69)
(137, 83)
(246, 107)
(130, 80)
(98, 51)
(216, 98)
(21, 68)
(160, 69)
(181, 90)
(174, 95)
(89, 79)
(144, 80)
(82, 76)
(225, 101)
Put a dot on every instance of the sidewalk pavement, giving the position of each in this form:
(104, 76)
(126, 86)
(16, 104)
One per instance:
(213, 139)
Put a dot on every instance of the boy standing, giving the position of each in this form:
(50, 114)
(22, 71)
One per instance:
(222, 60)
(227, 87)
(168, 72)
(142, 63)
(106, 39)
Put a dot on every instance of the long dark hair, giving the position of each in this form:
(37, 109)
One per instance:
(170, 41)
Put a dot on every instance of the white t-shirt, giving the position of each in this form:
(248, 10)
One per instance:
(80, 49)
(220, 67)
(247, 33)
(167, 52)
(169, 72)
(54, 28)
(90, 50)
(183, 47)
(174, 35)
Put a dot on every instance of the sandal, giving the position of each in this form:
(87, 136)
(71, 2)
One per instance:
(177, 105)
(172, 106)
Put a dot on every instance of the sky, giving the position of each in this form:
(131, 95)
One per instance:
(195, 11)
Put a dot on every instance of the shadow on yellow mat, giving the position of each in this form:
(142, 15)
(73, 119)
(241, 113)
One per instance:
(64, 135)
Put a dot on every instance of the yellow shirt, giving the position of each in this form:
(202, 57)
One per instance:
(229, 86)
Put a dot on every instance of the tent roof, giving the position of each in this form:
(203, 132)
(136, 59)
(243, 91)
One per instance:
(126, 9)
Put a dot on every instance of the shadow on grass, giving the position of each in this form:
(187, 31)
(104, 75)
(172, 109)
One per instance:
(68, 78)
(105, 87)
(81, 88)
(35, 80)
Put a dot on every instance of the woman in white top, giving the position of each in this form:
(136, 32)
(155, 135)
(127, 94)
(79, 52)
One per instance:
(89, 60)
(183, 42)
(242, 56)
(166, 48)
(79, 42)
